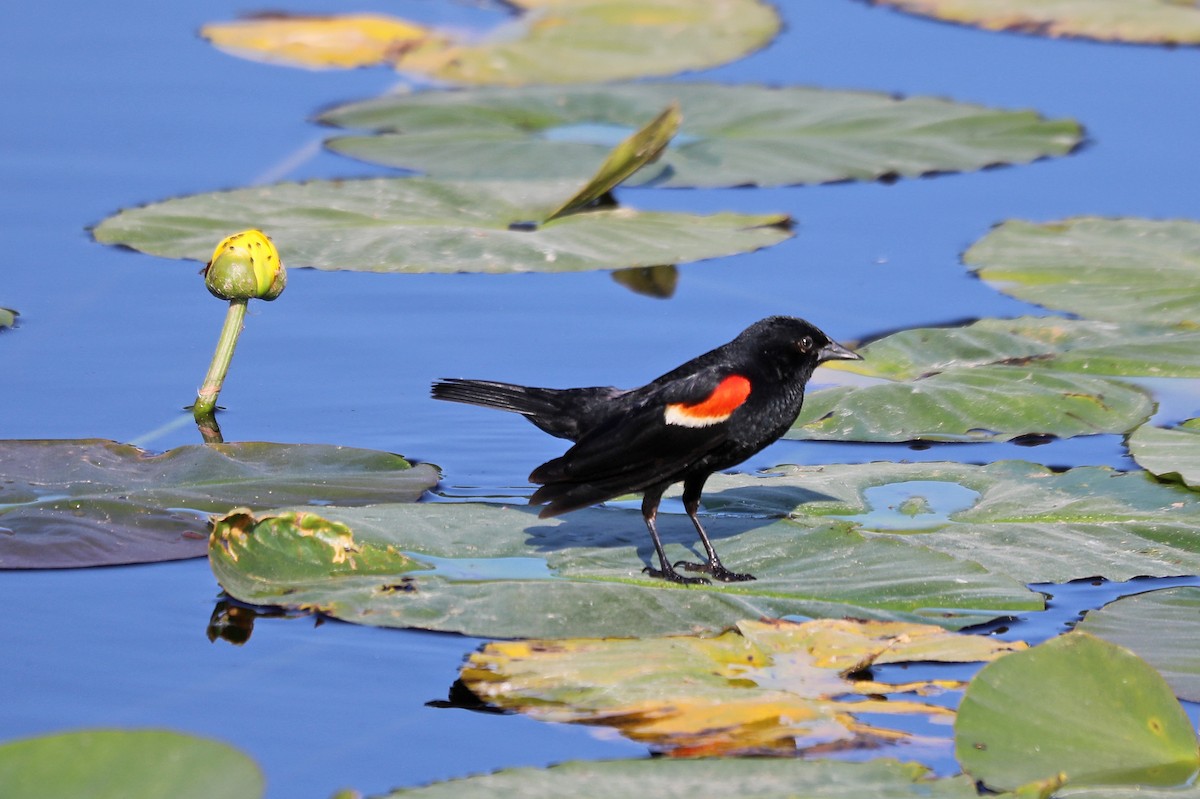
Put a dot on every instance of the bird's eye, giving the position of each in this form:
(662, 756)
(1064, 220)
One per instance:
(805, 344)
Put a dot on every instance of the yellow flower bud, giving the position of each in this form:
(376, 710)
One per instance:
(245, 266)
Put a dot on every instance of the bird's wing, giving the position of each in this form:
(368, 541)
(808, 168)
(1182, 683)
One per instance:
(666, 427)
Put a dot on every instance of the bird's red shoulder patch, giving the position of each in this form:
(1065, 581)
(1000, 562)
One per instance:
(729, 394)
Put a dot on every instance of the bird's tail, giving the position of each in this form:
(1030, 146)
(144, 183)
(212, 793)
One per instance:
(562, 412)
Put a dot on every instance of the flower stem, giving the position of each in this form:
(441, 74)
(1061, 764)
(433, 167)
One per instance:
(206, 399)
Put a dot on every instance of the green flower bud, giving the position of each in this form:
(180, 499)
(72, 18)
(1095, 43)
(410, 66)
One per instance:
(245, 266)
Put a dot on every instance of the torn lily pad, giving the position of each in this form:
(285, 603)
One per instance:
(730, 135)
(67, 503)
(1161, 627)
(1172, 453)
(547, 42)
(1134, 21)
(407, 225)
(1079, 707)
(762, 688)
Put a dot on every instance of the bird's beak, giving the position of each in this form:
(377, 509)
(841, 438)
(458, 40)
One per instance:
(836, 352)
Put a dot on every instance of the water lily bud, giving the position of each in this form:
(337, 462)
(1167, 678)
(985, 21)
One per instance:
(245, 266)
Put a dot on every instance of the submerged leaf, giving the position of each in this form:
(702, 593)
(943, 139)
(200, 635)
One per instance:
(626, 158)
(763, 688)
(730, 136)
(746, 778)
(549, 42)
(67, 503)
(1161, 627)
(1138, 21)
(1170, 453)
(130, 764)
(1124, 270)
(423, 225)
(1078, 706)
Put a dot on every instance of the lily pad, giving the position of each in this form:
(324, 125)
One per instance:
(126, 764)
(67, 503)
(1171, 453)
(1122, 270)
(752, 778)
(731, 135)
(948, 544)
(1077, 706)
(8, 317)
(548, 42)
(424, 225)
(1137, 21)
(1161, 627)
(1112, 349)
(982, 403)
(764, 688)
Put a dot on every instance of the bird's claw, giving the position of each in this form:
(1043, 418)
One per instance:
(717, 571)
(673, 576)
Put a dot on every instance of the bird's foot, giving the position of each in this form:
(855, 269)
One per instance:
(717, 571)
(673, 576)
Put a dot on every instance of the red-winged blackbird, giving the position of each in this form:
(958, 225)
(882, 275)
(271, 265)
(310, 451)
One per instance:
(705, 416)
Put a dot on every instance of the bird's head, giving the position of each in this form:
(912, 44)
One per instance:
(794, 343)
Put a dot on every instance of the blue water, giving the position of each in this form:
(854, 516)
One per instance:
(116, 104)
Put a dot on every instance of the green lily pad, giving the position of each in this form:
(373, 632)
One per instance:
(752, 778)
(548, 42)
(8, 317)
(1171, 453)
(1161, 627)
(1138, 21)
(1109, 349)
(765, 687)
(948, 544)
(983, 403)
(67, 503)
(1122, 270)
(1079, 706)
(423, 225)
(126, 764)
(731, 135)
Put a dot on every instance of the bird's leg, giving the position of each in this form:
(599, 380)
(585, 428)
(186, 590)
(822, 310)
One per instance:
(650, 513)
(691, 503)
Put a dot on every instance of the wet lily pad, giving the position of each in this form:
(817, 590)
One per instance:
(1122, 270)
(948, 544)
(731, 135)
(129, 764)
(67, 503)
(752, 778)
(1161, 627)
(548, 42)
(424, 225)
(1172, 453)
(1078, 706)
(8, 317)
(981, 403)
(776, 688)
(1137, 21)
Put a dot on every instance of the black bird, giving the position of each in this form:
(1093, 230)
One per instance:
(707, 415)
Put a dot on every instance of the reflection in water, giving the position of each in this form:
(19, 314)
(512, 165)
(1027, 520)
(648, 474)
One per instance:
(652, 281)
(233, 621)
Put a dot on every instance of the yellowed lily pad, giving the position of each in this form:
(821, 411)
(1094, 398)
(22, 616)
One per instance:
(547, 42)
(771, 687)
(1139, 21)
